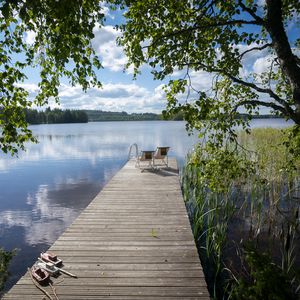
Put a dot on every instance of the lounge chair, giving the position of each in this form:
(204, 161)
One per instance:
(146, 156)
(161, 153)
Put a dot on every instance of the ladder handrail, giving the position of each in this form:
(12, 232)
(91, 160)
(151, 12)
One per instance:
(136, 151)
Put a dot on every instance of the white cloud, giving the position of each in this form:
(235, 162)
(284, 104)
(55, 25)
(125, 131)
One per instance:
(30, 87)
(201, 80)
(120, 97)
(67, 92)
(106, 11)
(30, 37)
(111, 97)
(262, 64)
(106, 47)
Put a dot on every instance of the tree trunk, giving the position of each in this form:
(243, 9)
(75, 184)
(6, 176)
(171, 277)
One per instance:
(274, 25)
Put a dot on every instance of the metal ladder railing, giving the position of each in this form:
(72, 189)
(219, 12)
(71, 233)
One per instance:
(136, 151)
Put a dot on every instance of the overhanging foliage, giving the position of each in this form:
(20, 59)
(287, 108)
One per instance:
(61, 48)
(216, 37)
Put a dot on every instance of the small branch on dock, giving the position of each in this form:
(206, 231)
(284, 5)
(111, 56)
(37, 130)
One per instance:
(60, 281)
(67, 273)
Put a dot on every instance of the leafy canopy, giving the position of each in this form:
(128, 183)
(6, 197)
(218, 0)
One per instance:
(217, 37)
(61, 48)
(189, 36)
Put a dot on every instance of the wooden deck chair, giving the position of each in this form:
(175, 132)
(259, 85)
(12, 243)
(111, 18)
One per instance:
(146, 156)
(161, 153)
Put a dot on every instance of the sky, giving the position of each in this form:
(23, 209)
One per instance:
(120, 92)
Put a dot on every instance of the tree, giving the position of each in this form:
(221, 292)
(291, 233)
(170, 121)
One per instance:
(205, 35)
(61, 48)
(216, 36)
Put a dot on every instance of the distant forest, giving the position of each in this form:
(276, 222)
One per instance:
(179, 116)
(99, 115)
(51, 116)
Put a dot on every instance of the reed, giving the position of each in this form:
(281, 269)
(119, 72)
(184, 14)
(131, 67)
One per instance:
(243, 203)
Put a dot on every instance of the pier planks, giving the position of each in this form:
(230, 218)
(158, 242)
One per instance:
(133, 241)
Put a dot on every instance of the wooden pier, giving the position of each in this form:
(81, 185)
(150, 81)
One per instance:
(133, 241)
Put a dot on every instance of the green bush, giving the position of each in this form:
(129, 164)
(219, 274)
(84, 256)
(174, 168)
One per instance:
(5, 258)
(265, 281)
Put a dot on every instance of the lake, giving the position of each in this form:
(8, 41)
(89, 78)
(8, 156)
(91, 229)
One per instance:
(46, 187)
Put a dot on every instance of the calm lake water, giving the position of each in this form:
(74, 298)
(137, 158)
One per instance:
(46, 187)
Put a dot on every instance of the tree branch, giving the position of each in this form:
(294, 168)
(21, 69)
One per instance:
(256, 48)
(297, 59)
(204, 9)
(260, 103)
(200, 27)
(288, 109)
(238, 80)
(218, 24)
(251, 12)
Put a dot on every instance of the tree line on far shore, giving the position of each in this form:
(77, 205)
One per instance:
(100, 116)
(51, 116)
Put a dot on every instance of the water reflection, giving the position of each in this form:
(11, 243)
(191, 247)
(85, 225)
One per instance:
(109, 141)
(46, 187)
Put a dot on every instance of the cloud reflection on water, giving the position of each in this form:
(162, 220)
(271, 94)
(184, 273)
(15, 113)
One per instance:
(44, 222)
(46, 187)
(108, 142)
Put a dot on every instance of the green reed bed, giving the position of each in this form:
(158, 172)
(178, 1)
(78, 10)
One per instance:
(243, 202)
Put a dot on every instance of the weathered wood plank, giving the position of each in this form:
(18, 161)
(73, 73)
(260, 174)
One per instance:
(143, 253)
(130, 259)
(133, 241)
(83, 282)
(116, 291)
(133, 267)
(124, 243)
(107, 296)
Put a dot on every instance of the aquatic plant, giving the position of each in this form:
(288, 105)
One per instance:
(5, 258)
(241, 193)
(265, 280)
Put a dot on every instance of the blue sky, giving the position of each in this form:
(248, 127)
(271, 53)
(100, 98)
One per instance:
(120, 92)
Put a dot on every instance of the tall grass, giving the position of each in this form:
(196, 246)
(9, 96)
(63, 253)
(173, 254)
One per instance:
(244, 209)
